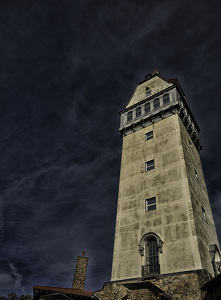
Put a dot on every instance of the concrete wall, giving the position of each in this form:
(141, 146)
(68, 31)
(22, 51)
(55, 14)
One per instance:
(205, 228)
(173, 220)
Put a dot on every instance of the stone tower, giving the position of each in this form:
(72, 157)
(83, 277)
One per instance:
(165, 233)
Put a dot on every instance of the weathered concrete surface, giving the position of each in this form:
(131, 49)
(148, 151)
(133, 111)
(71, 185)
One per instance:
(173, 218)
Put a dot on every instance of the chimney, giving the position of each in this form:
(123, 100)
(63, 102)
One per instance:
(155, 72)
(80, 272)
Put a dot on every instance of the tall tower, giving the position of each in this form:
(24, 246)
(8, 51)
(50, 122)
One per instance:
(164, 222)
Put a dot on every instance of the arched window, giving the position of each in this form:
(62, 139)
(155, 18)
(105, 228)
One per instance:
(138, 112)
(129, 116)
(149, 247)
(147, 108)
(156, 103)
(152, 261)
(166, 99)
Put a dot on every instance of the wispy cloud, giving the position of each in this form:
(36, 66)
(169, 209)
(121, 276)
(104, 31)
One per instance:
(1, 218)
(18, 279)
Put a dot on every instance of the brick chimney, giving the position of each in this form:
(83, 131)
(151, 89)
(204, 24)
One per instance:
(80, 272)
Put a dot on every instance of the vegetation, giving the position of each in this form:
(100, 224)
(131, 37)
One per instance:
(13, 296)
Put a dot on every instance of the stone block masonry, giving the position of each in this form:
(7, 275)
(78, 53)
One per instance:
(80, 272)
(177, 286)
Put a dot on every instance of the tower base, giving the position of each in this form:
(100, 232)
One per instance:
(184, 285)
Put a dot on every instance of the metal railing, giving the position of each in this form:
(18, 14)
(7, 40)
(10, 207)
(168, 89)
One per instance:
(152, 267)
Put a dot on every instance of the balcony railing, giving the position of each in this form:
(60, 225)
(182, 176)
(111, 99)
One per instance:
(152, 267)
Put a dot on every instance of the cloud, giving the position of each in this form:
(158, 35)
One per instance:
(1, 218)
(18, 279)
(65, 74)
(6, 281)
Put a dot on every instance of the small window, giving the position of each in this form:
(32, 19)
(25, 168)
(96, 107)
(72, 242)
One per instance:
(190, 144)
(204, 214)
(166, 99)
(138, 112)
(151, 204)
(148, 92)
(196, 174)
(156, 103)
(149, 135)
(129, 116)
(147, 108)
(149, 165)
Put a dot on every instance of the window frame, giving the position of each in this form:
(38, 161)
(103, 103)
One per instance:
(149, 165)
(156, 103)
(129, 116)
(148, 204)
(145, 107)
(138, 112)
(149, 135)
(148, 92)
(166, 99)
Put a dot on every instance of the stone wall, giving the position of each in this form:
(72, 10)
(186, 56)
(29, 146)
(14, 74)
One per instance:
(175, 286)
(80, 272)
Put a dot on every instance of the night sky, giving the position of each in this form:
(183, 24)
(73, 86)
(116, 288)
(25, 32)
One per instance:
(67, 67)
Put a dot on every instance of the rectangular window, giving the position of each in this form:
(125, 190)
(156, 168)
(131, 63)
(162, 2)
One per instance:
(148, 135)
(129, 116)
(151, 204)
(147, 108)
(166, 99)
(147, 93)
(156, 103)
(149, 165)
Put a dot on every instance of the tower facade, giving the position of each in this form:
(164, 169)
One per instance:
(164, 223)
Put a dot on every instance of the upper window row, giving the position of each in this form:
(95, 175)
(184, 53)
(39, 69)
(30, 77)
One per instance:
(147, 108)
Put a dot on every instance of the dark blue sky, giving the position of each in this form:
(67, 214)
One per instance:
(66, 68)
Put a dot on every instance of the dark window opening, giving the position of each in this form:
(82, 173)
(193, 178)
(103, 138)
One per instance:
(138, 112)
(156, 103)
(129, 116)
(152, 260)
(151, 204)
(204, 214)
(147, 108)
(149, 135)
(166, 99)
(196, 174)
(149, 165)
(148, 92)
(190, 144)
